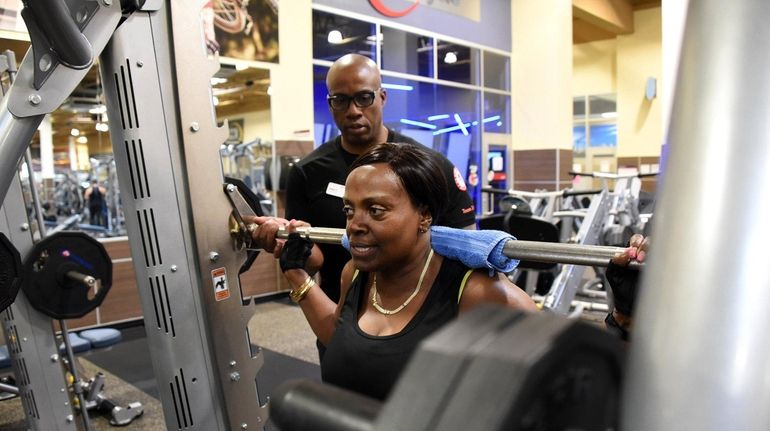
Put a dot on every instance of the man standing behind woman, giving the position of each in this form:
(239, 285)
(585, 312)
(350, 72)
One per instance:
(316, 183)
(396, 290)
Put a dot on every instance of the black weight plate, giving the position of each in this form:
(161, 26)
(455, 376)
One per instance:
(253, 200)
(523, 372)
(46, 284)
(10, 272)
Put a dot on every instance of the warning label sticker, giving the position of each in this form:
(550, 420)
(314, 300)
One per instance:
(219, 278)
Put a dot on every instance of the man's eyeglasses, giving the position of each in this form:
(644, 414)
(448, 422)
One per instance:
(341, 102)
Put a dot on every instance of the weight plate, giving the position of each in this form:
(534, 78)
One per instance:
(497, 369)
(253, 200)
(10, 272)
(51, 269)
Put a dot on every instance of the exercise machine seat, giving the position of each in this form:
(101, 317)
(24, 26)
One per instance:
(5, 357)
(78, 344)
(101, 337)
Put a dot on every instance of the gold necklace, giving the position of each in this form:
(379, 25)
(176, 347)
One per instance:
(385, 311)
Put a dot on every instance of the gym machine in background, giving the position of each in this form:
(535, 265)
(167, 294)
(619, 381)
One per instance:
(157, 86)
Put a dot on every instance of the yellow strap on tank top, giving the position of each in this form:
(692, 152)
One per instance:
(462, 285)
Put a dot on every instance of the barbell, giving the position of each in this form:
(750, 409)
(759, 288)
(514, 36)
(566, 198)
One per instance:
(534, 251)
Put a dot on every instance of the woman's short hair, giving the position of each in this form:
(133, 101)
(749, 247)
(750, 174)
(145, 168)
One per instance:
(418, 169)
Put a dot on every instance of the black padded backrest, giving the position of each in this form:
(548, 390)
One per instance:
(531, 229)
(493, 222)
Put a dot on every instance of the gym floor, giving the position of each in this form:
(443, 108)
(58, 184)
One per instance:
(277, 326)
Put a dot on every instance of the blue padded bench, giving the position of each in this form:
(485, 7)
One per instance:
(78, 344)
(5, 358)
(101, 337)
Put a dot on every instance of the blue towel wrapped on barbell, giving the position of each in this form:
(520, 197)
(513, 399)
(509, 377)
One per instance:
(474, 248)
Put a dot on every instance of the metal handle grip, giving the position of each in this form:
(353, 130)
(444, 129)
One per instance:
(54, 20)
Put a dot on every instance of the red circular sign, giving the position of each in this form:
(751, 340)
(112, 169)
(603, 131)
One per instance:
(381, 8)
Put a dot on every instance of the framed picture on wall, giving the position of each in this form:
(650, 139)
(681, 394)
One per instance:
(242, 29)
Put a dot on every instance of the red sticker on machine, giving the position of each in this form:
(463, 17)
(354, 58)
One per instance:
(459, 181)
(219, 280)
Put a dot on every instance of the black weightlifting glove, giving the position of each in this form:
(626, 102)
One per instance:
(295, 252)
(623, 282)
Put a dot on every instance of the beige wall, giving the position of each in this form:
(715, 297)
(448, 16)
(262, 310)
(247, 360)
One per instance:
(541, 74)
(594, 68)
(622, 66)
(673, 17)
(292, 79)
(257, 125)
(640, 132)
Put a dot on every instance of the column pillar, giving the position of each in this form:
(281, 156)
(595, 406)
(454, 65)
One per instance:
(541, 80)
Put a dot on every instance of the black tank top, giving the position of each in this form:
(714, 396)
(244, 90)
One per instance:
(96, 198)
(370, 364)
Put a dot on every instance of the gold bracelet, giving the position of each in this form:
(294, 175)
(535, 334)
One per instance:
(299, 293)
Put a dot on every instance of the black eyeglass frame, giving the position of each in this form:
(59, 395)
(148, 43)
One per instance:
(354, 98)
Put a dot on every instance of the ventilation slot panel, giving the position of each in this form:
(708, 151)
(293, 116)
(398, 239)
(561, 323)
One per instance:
(31, 404)
(124, 84)
(162, 305)
(149, 233)
(137, 169)
(181, 400)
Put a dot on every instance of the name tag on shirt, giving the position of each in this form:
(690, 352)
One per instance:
(334, 189)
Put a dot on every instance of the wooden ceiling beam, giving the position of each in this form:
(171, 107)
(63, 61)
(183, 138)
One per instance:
(615, 16)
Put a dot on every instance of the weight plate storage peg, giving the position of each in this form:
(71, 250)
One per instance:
(10, 272)
(67, 275)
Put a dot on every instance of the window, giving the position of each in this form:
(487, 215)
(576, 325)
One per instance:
(594, 132)
(407, 52)
(603, 106)
(435, 87)
(458, 63)
(335, 36)
(497, 112)
(497, 71)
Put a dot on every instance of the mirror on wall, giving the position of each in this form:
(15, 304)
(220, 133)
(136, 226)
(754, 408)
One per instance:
(241, 96)
(594, 136)
(71, 157)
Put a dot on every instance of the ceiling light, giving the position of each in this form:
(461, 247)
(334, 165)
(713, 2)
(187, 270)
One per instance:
(102, 127)
(418, 124)
(81, 140)
(215, 80)
(397, 86)
(100, 109)
(462, 125)
(75, 132)
(335, 37)
(450, 57)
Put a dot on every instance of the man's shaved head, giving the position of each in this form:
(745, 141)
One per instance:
(354, 63)
(360, 126)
